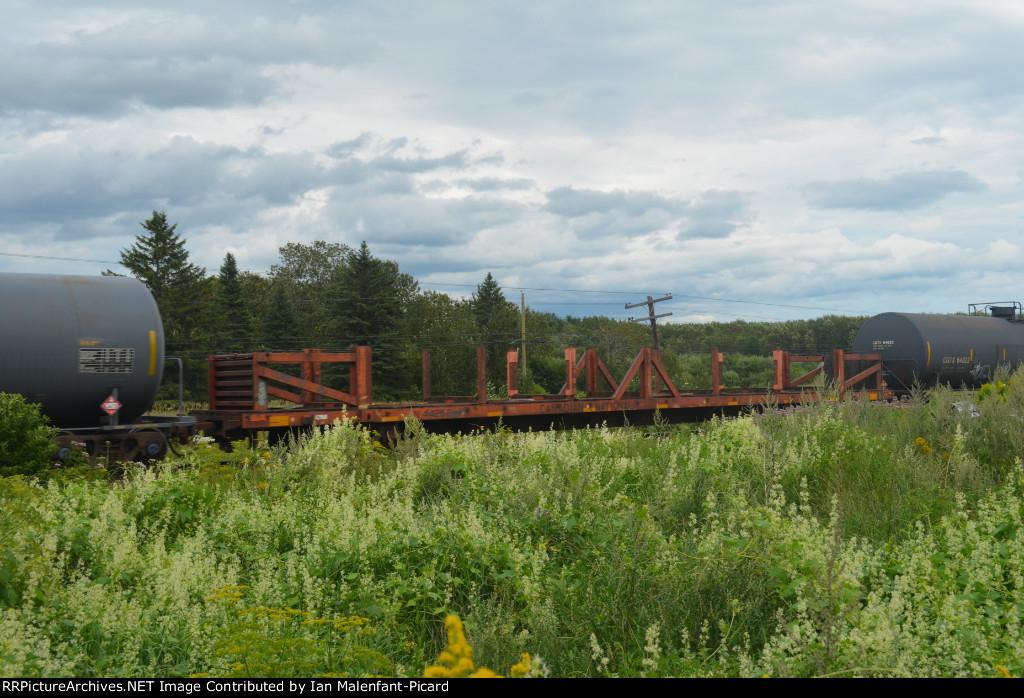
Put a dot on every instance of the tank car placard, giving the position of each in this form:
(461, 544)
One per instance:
(106, 360)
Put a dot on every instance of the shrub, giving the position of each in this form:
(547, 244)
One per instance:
(27, 444)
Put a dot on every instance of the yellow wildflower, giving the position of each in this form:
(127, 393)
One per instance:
(457, 660)
(522, 668)
(484, 673)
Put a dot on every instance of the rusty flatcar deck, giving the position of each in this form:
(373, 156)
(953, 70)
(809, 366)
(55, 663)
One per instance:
(242, 385)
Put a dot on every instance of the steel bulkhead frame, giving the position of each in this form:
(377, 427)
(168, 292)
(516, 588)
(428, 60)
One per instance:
(357, 405)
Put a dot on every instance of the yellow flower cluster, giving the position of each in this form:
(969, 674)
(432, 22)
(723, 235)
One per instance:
(344, 624)
(922, 444)
(457, 660)
(521, 669)
(998, 389)
(275, 613)
(229, 594)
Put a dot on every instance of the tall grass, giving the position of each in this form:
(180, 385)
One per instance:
(837, 539)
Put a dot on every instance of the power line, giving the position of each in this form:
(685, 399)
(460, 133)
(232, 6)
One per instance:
(63, 259)
(777, 305)
(678, 295)
(532, 288)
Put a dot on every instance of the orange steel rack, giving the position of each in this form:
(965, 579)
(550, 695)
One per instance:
(243, 385)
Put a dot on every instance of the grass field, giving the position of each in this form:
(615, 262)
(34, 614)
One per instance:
(844, 539)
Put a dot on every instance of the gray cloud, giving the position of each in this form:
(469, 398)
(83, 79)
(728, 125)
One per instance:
(496, 184)
(346, 149)
(419, 165)
(69, 185)
(716, 214)
(165, 61)
(593, 214)
(901, 192)
(562, 121)
(415, 220)
(597, 214)
(572, 203)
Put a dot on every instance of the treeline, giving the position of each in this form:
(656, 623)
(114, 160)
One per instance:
(331, 296)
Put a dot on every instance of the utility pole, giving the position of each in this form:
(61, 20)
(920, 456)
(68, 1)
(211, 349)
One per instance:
(654, 327)
(522, 317)
(651, 316)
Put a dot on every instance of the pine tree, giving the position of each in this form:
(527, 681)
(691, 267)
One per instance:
(488, 302)
(234, 323)
(280, 325)
(495, 322)
(370, 303)
(160, 261)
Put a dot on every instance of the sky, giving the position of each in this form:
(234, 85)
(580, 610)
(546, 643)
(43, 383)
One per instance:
(755, 159)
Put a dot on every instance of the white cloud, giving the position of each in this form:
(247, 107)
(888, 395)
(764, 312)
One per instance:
(860, 154)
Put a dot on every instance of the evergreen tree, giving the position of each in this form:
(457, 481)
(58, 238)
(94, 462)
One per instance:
(234, 330)
(370, 303)
(257, 291)
(489, 303)
(496, 324)
(280, 325)
(160, 261)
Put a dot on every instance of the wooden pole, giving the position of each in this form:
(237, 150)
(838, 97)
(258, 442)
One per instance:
(522, 316)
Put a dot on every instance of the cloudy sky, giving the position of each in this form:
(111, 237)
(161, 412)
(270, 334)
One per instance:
(801, 156)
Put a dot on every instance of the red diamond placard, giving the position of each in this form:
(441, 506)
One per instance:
(111, 405)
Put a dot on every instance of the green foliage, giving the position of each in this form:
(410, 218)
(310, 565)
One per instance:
(234, 323)
(815, 336)
(281, 325)
(496, 324)
(309, 274)
(845, 538)
(264, 642)
(445, 325)
(371, 298)
(159, 259)
(27, 444)
(182, 293)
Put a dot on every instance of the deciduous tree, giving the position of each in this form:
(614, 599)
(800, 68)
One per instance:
(310, 274)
